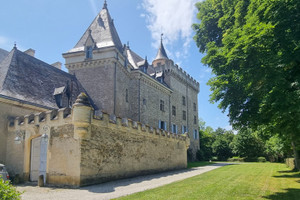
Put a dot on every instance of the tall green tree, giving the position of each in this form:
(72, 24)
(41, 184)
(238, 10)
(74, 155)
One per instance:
(248, 145)
(253, 48)
(206, 138)
(222, 145)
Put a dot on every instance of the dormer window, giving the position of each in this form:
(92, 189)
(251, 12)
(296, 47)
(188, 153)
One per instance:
(89, 52)
(145, 69)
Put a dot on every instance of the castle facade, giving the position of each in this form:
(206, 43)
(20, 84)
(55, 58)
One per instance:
(138, 117)
(119, 81)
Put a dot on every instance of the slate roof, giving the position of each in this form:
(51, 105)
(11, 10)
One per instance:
(3, 54)
(133, 58)
(161, 54)
(26, 78)
(103, 33)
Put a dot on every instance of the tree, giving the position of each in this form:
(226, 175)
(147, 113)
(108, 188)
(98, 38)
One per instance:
(221, 146)
(206, 140)
(247, 144)
(253, 48)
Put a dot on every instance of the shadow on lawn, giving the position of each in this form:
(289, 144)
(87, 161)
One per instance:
(288, 174)
(287, 171)
(289, 194)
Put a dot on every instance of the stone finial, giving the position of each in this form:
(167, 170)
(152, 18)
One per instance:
(105, 5)
(82, 100)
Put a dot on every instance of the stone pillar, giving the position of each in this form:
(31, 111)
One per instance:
(82, 116)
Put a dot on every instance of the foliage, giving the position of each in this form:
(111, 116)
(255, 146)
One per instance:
(236, 159)
(261, 159)
(221, 146)
(206, 140)
(247, 144)
(275, 149)
(8, 192)
(246, 181)
(189, 154)
(253, 48)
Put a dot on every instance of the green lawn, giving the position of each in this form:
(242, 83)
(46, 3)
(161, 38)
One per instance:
(242, 181)
(199, 164)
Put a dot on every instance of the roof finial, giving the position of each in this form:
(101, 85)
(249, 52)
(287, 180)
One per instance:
(105, 5)
(15, 45)
(161, 37)
(128, 44)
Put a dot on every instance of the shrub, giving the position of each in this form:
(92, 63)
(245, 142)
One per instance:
(214, 158)
(261, 159)
(8, 192)
(200, 155)
(236, 159)
(189, 155)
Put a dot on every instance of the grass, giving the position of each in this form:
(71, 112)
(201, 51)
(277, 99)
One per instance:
(242, 181)
(199, 164)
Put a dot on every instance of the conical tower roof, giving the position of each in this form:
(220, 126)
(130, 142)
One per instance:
(103, 32)
(161, 54)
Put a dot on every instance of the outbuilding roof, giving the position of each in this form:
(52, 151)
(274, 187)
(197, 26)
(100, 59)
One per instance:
(27, 78)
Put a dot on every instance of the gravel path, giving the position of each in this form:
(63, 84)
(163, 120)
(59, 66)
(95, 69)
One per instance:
(112, 189)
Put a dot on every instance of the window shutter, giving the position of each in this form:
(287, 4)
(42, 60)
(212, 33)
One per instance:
(165, 126)
(159, 124)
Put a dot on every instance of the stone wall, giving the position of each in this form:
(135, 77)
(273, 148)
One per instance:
(97, 77)
(86, 147)
(124, 148)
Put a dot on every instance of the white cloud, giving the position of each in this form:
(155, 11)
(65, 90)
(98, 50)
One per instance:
(6, 43)
(173, 18)
(94, 7)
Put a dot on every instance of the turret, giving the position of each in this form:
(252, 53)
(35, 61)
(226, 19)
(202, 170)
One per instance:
(161, 57)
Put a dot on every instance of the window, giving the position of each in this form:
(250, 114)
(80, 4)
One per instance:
(195, 120)
(183, 115)
(195, 134)
(183, 129)
(162, 105)
(174, 128)
(195, 107)
(145, 69)
(126, 95)
(89, 52)
(173, 110)
(162, 125)
(183, 100)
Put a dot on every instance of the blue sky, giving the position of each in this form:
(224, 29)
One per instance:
(53, 27)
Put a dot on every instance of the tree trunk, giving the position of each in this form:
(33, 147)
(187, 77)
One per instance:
(296, 156)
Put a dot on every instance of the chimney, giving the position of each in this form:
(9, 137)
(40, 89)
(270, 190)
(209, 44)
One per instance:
(57, 65)
(30, 52)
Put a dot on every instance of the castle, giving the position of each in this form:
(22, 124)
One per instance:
(124, 91)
